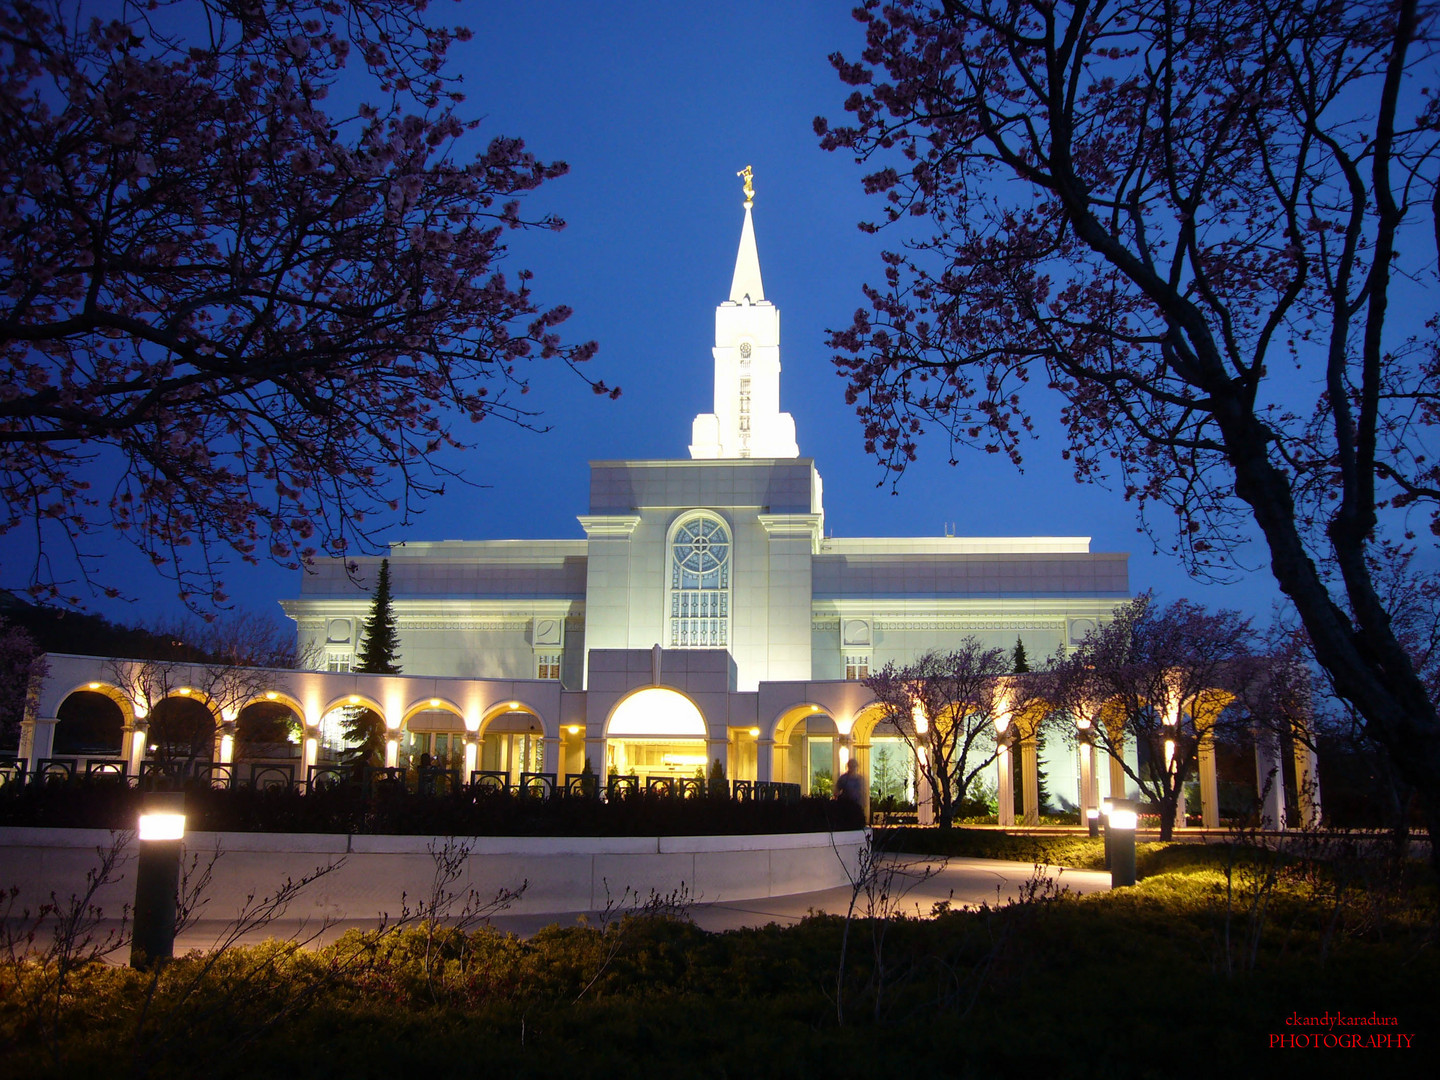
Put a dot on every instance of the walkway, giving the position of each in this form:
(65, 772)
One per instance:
(920, 882)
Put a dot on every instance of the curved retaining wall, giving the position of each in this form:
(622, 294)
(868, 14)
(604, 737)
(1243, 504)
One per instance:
(565, 874)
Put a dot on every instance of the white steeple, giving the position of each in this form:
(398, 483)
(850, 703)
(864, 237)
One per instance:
(747, 421)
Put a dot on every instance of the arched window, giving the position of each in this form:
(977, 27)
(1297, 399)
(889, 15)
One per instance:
(700, 583)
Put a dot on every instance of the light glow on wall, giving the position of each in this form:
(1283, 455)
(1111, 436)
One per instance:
(657, 711)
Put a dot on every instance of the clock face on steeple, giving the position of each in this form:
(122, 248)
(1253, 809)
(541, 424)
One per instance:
(745, 350)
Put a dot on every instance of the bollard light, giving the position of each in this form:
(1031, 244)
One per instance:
(157, 878)
(1092, 819)
(1106, 804)
(162, 826)
(1123, 820)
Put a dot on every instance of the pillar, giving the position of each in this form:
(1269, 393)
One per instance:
(1088, 785)
(1119, 782)
(472, 755)
(392, 749)
(1005, 782)
(37, 738)
(225, 750)
(718, 750)
(765, 760)
(1307, 784)
(1209, 785)
(1030, 779)
(1269, 780)
(137, 735)
(924, 797)
(862, 755)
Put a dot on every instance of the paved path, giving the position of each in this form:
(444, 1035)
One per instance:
(919, 883)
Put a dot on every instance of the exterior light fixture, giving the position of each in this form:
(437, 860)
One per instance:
(1092, 818)
(94, 686)
(1123, 821)
(354, 699)
(162, 826)
(434, 702)
(270, 695)
(157, 877)
(754, 732)
(573, 729)
(184, 691)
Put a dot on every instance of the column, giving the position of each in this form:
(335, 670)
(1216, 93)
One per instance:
(1119, 782)
(137, 736)
(718, 750)
(765, 759)
(1209, 785)
(472, 755)
(1004, 782)
(924, 797)
(225, 748)
(862, 755)
(37, 738)
(1030, 779)
(1307, 783)
(1269, 780)
(392, 749)
(1087, 776)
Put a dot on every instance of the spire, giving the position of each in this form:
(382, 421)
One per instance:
(745, 286)
(747, 421)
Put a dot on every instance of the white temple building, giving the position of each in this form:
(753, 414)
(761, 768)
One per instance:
(704, 601)
(701, 618)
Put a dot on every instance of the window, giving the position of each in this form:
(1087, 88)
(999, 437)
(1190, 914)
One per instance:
(700, 584)
(338, 661)
(857, 666)
(547, 665)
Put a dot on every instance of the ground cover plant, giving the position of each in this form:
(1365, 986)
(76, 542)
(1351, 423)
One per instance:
(1191, 973)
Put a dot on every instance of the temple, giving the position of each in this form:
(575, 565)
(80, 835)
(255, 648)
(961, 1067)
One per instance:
(701, 621)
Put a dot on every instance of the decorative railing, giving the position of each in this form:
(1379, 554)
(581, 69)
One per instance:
(373, 781)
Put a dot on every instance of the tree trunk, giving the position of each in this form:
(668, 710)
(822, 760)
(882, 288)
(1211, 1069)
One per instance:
(1168, 802)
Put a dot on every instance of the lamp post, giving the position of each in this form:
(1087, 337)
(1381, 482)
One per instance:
(1123, 820)
(162, 836)
(1092, 819)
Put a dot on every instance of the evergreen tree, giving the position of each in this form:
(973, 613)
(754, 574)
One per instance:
(1019, 662)
(376, 655)
(364, 728)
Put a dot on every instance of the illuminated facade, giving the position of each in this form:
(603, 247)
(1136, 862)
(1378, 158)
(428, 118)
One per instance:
(703, 621)
(720, 561)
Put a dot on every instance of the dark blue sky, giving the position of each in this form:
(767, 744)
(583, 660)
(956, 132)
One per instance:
(655, 106)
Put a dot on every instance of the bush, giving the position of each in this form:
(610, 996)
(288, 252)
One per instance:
(469, 812)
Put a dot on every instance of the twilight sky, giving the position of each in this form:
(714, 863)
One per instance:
(655, 105)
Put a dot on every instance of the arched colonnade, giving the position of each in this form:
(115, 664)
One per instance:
(674, 718)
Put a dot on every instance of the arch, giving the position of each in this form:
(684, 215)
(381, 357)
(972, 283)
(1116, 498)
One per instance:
(869, 716)
(699, 547)
(417, 709)
(89, 722)
(278, 697)
(352, 701)
(784, 725)
(656, 712)
(103, 688)
(182, 726)
(492, 719)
